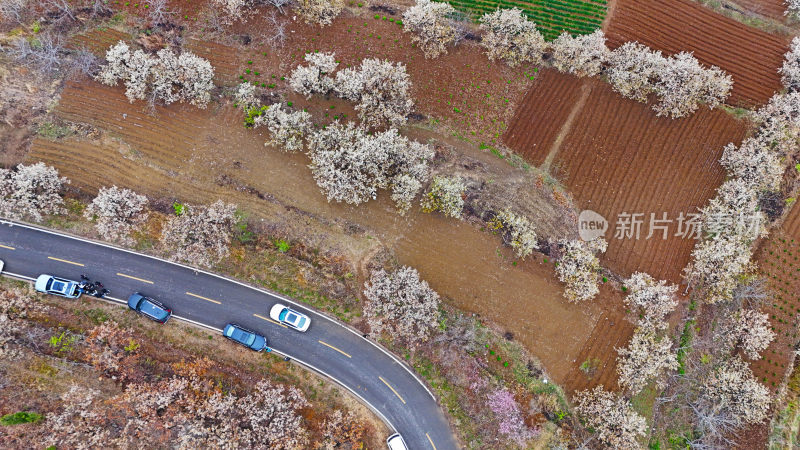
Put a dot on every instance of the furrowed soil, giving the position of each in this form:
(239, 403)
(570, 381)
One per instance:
(196, 156)
(618, 157)
(779, 262)
(773, 9)
(752, 57)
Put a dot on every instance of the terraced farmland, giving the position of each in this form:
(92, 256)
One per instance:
(552, 16)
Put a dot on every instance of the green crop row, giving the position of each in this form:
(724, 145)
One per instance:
(551, 16)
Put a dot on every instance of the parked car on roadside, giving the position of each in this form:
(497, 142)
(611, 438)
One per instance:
(289, 317)
(149, 307)
(396, 442)
(58, 286)
(243, 336)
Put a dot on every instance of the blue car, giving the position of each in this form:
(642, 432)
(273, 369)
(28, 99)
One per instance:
(149, 308)
(245, 337)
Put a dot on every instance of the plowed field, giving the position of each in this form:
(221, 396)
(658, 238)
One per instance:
(751, 56)
(767, 8)
(619, 157)
(541, 115)
(598, 355)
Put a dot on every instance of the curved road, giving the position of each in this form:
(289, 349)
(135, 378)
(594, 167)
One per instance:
(383, 382)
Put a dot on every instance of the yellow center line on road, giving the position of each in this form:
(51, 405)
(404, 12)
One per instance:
(329, 345)
(430, 440)
(270, 320)
(390, 387)
(65, 261)
(134, 278)
(204, 298)
(5, 246)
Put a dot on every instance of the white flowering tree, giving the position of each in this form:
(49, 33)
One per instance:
(320, 12)
(755, 164)
(31, 191)
(200, 235)
(731, 396)
(792, 8)
(717, 265)
(382, 90)
(511, 37)
(350, 166)
(167, 77)
(430, 26)
(790, 72)
(779, 123)
(446, 194)
(579, 267)
(611, 417)
(116, 212)
(401, 304)
(683, 83)
(582, 55)
(653, 300)
(632, 70)
(245, 96)
(749, 330)
(315, 77)
(518, 232)
(287, 128)
(645, 360)
(233, 9)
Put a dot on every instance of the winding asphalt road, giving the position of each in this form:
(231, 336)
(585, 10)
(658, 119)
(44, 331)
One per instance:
(379, 379)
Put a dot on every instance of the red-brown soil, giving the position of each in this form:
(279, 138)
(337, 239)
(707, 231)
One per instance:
(779, 261)
(619, 157)
(773, 9)
(752, 57)
(462, 89)
(611, 331)
(540, 116)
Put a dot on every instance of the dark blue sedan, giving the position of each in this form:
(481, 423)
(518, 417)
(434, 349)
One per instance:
(149, 308)
(245, 337)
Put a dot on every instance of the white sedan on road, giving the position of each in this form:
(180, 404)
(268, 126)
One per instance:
(58, 286)
(289, 317)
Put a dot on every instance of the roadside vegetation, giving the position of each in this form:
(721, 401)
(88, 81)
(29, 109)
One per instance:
(88, 373)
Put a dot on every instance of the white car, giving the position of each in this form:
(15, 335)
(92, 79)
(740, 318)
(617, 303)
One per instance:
(58, 286)
(289, 317)
(396, 442)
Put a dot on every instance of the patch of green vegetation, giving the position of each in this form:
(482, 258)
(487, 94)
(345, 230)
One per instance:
(178, 208)
(240, 229)
(20, 417)
(51, 131)
(644, 401)
(590, 366)
(683, 347)
(735, 112)
(96, 315)
(282, 245)
(63, 342)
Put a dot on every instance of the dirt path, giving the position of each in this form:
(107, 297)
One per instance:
(586, 89)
